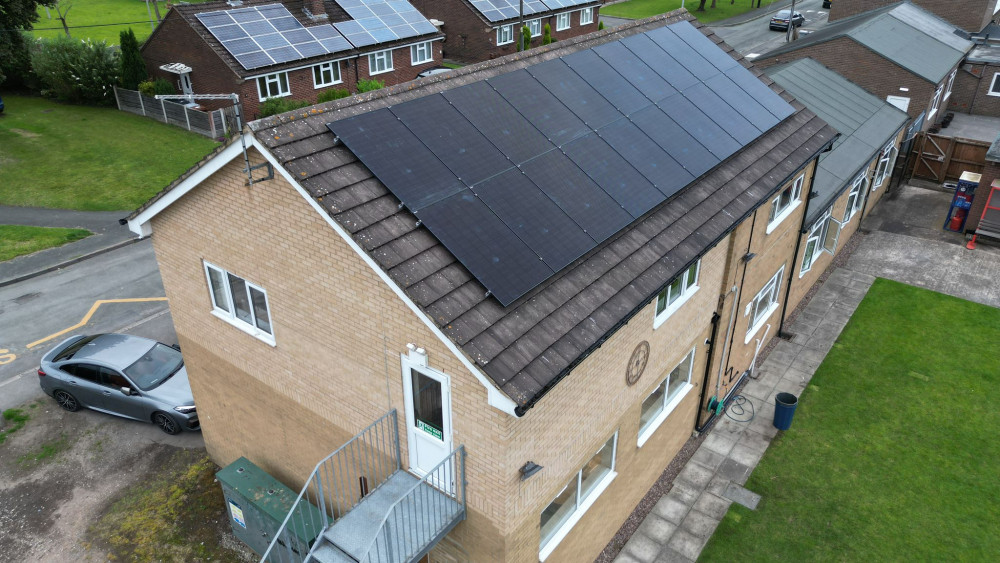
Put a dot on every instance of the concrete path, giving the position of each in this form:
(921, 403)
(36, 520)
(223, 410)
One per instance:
(108, 235)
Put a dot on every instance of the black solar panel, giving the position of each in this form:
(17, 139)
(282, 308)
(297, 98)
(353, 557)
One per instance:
(522, 174)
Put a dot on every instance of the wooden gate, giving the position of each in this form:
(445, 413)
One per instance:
(939, 158)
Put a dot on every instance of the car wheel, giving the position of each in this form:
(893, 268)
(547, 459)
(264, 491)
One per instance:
(166, 423)
(66, 401)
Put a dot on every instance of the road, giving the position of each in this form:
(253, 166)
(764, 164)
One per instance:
(754, 38)
(120, 291)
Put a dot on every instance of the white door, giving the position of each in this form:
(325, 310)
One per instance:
(186, 84)
(428, 417)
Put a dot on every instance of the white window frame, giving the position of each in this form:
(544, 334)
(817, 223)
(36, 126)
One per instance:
(951, 83)
(778, 213)
(227, 310)
(995, 84)
(505, 34)
(534, 27)
(935, 103)
(666, 297)
(669, 402)
(772, 291)
(885, 162)
(819, 240)
(589, 13)
(856, 197)
(279, 80)
(319, 74)
(377, 59)
(424, 48)
(582, 504)
(562, 21)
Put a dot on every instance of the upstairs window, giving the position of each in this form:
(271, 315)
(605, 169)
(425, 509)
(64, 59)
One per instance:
(239, 302)
(326, 74)
(951, 83)
(273, 86)
(884, 168)
(823, 237)
(505, 34)
(562, 21)
(421, 53)
(786, 201)
(856, 198)
(379, 62)
(935, 103)
(676, 294)
(535, 27)
(586, 16)
(765, 303)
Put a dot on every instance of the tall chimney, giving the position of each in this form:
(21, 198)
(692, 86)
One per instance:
(314, 9)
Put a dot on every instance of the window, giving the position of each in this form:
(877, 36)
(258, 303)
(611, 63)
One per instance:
(785, 202)
(951, 82)
(326, 74)
(659, 404)
(884, 168)
(935, 103)
(674, 295)
(505, 34)
(379, 62)
(273, 86)
(765, 303)
(562, 21)
(855, 199)
(576, 497)
(586, 16)
(86, 372)
(240, 303)
(822, 237)
(995, 85)
(421, 53)
(535, 27)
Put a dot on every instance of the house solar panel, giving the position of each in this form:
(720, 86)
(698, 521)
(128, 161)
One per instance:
(522, 174)
(384, 21)
(499, 10)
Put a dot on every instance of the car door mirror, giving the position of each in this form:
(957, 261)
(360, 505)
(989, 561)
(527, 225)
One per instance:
(127, 391)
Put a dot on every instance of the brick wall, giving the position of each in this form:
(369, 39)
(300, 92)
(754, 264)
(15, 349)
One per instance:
(469, 39)
(970, 15)
(971, 91)
(991, 172)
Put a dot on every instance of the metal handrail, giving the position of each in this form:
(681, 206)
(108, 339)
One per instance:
(425, 480)
(328, 482)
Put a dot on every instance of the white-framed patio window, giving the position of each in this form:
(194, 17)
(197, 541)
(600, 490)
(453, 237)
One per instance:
(951, 83)
(884, 168)
(505, 34)
(273, 86)
(935, 103)
(785, 202)
(239, 302)
(566, 509)
(326, 74)
(676, 293)
(535, 27)
(856, 198)
(586, 16)
(823, 237)
(562, 21)
(379, 62)
(764, 304)
(421, 53)
(658, 405)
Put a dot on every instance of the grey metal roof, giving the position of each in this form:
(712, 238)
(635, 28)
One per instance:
(902, 33)
(526, 348)
(865, 124)
(988, 53)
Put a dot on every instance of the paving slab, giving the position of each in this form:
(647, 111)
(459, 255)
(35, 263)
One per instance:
(732, 470)
(671, 509)
(707, 458)
(742, 496)
(668, 555)
(699, 524)
(686, 544)
(657, 529)
(712, 505)
(642, 548)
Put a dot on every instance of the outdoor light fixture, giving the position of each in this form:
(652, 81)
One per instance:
(529, 469)
(748, 257)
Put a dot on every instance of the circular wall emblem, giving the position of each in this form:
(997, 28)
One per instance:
(637, 363)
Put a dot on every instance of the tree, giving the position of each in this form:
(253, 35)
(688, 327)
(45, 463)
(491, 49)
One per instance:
(133, 68)
(525, 38)
(547, 35)
(16, 15)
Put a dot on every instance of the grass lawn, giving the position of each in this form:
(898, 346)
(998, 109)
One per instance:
(101, 13)
(88, 158)
(17, 240)
(892, 455)
(637, 9)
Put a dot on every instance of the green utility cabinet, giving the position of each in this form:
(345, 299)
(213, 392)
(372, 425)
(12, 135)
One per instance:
(258, 504)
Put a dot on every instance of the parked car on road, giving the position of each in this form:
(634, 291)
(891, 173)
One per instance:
(124, 375)
(435, 70)
(780, 20)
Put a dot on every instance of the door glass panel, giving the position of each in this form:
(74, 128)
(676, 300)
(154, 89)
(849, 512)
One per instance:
(559, 510)
(427, 412)
(597, 467)
(260, 309)
(241, 301)
(112, 378)
(218, 289)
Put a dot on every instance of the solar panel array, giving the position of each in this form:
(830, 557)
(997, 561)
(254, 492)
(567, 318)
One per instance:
(522, 174)
(259, 36)
(499, 10)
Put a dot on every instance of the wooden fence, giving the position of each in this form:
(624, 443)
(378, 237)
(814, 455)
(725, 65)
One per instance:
(214, 124)
(939, 158)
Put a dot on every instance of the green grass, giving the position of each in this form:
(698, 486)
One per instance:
(46, 451)
(88, 158)
(637, 9)
(18, 240)
(451, 65)
(16, 419)
(892, 455)
(101, 13)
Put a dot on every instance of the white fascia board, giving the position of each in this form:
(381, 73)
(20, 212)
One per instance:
(140, 224)
(495, 397)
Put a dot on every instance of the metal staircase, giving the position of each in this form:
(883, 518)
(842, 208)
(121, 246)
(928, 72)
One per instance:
(369, 509)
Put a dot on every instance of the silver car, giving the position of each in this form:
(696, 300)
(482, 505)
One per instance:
(124, 375)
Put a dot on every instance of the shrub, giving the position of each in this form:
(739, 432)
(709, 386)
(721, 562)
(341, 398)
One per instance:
(275, 106)
(133, 68)
(156, 87)
(15, 71)
(369, 85)
(600, 25)
(547, 35)
(330, 95)
(74, 70)
(525, 38)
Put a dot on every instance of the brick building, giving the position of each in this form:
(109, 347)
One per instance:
(969, 15)
(977, 84)
(550, 264)
(479, 30)
(264, 49)
(900, 53)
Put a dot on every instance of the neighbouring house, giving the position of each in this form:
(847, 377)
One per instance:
(900, 53)
(854, 175)
(968, 15)
(263, 49)
(977, 85)
(479, 30)
(534, 274)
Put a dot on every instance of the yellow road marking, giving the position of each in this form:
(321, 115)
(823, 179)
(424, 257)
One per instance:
(90, 313)
(6, 357)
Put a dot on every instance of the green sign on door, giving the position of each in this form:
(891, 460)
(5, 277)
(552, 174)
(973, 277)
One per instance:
(430, 429)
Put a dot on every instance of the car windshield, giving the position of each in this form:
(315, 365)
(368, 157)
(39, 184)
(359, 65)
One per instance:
(155, 366)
